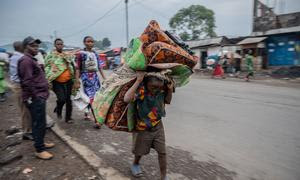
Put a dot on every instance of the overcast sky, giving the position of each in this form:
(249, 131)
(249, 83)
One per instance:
(40, 18)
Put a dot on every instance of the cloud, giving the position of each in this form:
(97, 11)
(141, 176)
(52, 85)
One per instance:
(41, 18)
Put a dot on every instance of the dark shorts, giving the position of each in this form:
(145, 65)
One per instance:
(143, 141)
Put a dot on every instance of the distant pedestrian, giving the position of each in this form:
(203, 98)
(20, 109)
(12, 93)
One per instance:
(150, 95)
(249, 64)
(16, 88)
(60, 73)
(4, 58)
(41, 58)
(218, 69)
(88, 66)
(35, 93)
(237, 63)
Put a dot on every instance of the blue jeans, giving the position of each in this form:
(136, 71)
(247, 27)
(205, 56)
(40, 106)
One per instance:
(37, 110)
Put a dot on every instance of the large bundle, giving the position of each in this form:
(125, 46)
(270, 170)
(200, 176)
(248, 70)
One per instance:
(155, 51)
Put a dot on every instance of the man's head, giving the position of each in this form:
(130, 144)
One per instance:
(88, 42)
(153, 84)
(18, 46)
(31, 45)
(59, 44)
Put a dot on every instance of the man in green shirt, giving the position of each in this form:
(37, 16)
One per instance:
(249, 64)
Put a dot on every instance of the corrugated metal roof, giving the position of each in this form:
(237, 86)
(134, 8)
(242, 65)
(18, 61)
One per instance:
(277, 31)
(251, 40)
(205, 42)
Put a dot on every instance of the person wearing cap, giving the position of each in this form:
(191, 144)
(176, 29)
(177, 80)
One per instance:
(16, 88)
(35, 93)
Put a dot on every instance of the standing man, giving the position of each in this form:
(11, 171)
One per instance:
(35, 93)
(16, 88)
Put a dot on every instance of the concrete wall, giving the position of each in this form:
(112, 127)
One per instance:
(198, 54)
(265, 19)
(213, 50)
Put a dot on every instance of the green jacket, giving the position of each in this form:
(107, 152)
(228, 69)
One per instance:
(56, 63)
(249, 63)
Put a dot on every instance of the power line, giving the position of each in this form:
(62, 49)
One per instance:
(107, 15)
(95, 22)
(151, 9)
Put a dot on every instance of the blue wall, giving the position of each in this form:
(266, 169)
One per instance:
(283, 49)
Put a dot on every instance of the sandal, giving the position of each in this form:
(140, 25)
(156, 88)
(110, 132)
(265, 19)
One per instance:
(136, 170)
(87, 117)
(97, 126)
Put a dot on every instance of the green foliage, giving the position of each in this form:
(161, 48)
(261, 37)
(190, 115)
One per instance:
(103, 44)
(99, 44)
(194, 22)
(106, 42)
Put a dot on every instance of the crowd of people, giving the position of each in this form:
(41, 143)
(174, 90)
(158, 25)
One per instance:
(231, 63)
(66, 74)
(63, 73)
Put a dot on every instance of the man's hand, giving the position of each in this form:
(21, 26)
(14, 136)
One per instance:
(140, 75)
(129, 96)
(170, 85)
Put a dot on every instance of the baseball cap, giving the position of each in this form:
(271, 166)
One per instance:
(30, 40)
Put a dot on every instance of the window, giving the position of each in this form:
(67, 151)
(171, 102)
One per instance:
(291, 42)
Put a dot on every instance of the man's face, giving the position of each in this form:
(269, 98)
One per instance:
(89, 43)
(33, 48)
(59, 45)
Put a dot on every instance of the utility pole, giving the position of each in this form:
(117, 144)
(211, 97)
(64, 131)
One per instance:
(127, 30)
(55, 34)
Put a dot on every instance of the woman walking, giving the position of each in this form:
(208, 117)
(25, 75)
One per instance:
(88, 64)
(60, 72)
(249, 63)
(218, 70)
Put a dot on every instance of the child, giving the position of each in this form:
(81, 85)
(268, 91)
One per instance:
(150, 95)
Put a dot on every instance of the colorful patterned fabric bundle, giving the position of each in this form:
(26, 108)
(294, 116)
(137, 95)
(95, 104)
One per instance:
(154, 49)
(56, 63)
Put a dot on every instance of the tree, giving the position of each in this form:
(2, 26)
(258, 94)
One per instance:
(194, 22)
(102, 44)
(99, 44)
(106, 42)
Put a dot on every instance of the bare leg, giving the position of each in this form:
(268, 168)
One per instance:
(247, 77)
(162, 158)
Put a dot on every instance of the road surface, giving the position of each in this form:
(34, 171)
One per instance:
(215, 129)
(249, 128)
